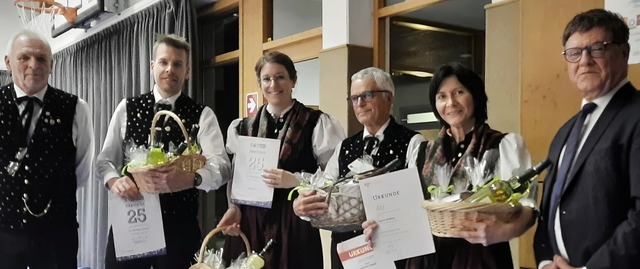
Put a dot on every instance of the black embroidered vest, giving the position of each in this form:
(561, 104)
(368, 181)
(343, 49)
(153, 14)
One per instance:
(140, 112)
(304, 159)
(395, 143)
(47, 172)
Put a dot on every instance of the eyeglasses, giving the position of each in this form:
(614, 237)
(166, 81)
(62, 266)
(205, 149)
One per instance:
(266, 81)
(596, 50)
(365, 96)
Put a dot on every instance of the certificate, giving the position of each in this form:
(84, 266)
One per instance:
(253, 155)
(137, 226)
(394, 200)
(356, 253)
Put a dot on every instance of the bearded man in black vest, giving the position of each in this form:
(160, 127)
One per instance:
(383, 138)
(131, 123)
(38, 226)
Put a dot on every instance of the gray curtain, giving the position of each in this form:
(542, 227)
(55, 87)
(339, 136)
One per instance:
(5, 77)
(103, 69)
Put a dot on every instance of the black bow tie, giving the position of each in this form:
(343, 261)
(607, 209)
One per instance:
(162, 105)
(29, 99)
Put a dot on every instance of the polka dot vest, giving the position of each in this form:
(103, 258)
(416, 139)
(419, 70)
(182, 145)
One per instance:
(47, 171)
(395, 143)
(182, 204)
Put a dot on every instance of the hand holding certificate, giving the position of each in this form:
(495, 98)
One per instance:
(137, 226)
(394, 201)
(254, 154)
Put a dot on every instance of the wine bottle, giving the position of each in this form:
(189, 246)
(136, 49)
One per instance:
(156, 154)
(499, 191)
(256, 260)
(193, 136)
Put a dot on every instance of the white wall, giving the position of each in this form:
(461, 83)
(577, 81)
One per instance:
(307, 89)
(295, 16)
(10, 24)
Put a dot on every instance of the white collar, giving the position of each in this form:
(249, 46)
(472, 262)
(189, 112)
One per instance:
(603, 101)
(158, 96)
(40, 94)
(284, 111)
(380, 133)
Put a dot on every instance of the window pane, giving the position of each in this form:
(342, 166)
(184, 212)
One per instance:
(295, 16)
(219, 35)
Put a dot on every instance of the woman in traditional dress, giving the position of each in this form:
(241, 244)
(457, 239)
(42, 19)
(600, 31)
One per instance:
(308, 138)
(459, 100)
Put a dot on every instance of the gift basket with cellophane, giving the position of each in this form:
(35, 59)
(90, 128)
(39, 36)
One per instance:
(476, 191)
(142, 160)
(345, 209)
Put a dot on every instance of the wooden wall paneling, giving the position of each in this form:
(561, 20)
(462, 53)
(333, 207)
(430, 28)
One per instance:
(252, 35)
(218, 8)
(301, 46)
(225, 58)
(502, 67)
(547, 97)
(337, 65)
(404, 7)
(379, 36)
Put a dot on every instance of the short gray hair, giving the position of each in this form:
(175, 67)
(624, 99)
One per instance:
(29, 35)
(382, 78)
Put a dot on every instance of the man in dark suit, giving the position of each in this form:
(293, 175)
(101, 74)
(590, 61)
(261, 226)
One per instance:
(590, 211)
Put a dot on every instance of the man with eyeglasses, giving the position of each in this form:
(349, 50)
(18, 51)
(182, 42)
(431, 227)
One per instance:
(382, 138)
(590, 211)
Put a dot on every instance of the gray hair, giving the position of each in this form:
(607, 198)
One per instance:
(382, 78)
(28, 34)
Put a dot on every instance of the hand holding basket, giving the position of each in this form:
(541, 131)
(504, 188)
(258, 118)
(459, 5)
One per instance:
(200, 264)
(144, 176)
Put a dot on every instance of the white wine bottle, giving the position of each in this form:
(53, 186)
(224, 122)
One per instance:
(256, 260)
(499, 191)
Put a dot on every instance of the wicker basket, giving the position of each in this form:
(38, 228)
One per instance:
(200, 264)
(189, 162)
(442, 215)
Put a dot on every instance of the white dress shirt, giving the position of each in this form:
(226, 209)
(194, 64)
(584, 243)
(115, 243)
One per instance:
(333, 167)
(216, 171)
(326, 135)
(82, 132)
(589, 122)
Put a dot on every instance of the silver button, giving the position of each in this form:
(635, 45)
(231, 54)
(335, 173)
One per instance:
(24, 221)
(26, 182)
(25, 196)
(26, 168)
(460, 154)
(461, 146)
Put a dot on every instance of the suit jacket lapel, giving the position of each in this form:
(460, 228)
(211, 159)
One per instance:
(607, 116)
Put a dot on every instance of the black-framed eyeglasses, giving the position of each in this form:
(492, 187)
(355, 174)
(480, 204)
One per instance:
(365, 96)
(596, 50)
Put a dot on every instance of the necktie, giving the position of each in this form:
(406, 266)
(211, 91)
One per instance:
(27, 115)
(370, 143)
(570, 151)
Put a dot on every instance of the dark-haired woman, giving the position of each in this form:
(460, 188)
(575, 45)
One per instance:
(460, 101)
(309, 138)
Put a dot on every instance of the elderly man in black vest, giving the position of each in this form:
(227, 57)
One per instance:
(383, 138)
(131, 122)
(38, 226)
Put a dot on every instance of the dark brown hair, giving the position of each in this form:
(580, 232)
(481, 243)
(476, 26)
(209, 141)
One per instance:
(598, 18)
(278, 58)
